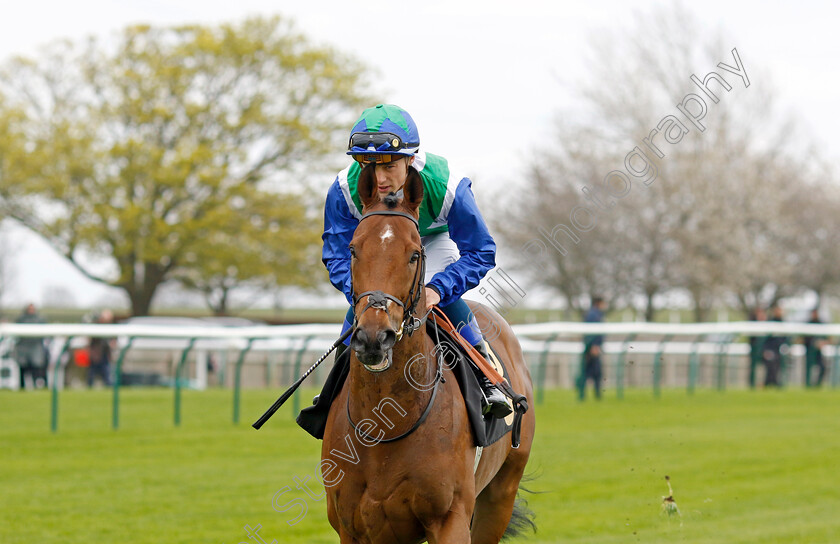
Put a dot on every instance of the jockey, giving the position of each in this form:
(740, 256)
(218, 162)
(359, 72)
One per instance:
(459, 248)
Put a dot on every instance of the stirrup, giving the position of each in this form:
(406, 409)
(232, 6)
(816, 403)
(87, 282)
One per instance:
(494, 402)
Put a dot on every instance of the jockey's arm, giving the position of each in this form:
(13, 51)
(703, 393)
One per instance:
(339, 226)
(475, 244)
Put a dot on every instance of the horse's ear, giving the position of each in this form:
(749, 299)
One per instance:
(413, 190)
(367, 185)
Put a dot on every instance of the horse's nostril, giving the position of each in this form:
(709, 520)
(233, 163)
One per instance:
(387, 338)
(359, 340)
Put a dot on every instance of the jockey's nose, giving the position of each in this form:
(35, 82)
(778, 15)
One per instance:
(381, 176)
(382, 341)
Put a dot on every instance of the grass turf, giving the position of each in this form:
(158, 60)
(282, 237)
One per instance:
(746, 466)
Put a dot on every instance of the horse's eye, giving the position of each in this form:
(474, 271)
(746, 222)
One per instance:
(414, 257)
(353, 252)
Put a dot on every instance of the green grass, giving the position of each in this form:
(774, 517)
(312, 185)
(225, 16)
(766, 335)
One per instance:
(746, 466)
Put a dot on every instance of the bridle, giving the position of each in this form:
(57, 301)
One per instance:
(378, 300)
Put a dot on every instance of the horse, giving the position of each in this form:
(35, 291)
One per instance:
(417, 476)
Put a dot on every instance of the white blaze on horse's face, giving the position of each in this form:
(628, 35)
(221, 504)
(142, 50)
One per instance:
(387, 235)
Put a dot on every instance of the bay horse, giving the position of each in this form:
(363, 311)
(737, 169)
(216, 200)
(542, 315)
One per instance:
(414, 478)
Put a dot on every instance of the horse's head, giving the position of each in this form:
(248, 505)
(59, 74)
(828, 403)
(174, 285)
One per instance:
(387, 268)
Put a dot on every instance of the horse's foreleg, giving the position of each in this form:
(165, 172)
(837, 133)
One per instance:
(455, 529)
(346, 538)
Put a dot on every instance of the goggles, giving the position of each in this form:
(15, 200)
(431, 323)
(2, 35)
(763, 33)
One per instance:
(377, 159)
(380, 141)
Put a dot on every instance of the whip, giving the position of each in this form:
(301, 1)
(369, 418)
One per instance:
(290, 391)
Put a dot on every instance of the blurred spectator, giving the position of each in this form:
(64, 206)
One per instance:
(592, 369)
(100, 352)
(813, 353)
(756, 344)
(773, 350)
(31, 352)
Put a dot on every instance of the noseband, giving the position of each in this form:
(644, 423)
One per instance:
(378, 300)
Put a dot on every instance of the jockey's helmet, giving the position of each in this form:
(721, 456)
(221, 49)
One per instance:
(383, 133)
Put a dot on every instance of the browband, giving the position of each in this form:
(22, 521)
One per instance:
(390, 212)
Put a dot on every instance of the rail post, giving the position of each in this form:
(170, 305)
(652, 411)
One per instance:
(178, 371)
(541, 368)
(115, 411)
(619, 365)
(54, 396)
(269, 363)
(298, 360)
(657, 365)
(723, 357)
(694, 363)
(580, 378)
(237, 380)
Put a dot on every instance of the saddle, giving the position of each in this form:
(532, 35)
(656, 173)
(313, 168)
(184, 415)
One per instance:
(485, 429)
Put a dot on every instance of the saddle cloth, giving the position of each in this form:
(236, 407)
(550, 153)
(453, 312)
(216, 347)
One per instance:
(485, 429)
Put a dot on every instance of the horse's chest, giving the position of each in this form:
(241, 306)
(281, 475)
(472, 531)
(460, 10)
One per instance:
(402, 507)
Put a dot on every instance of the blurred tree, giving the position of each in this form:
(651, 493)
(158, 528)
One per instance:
(176, 153)
(528, 219)
(713, 223)
(265, 243)
(814, 234)
(8, 249)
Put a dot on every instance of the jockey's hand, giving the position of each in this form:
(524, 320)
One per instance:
(432, 298)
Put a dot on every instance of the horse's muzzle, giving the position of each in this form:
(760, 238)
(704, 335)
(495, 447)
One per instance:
(374, 351)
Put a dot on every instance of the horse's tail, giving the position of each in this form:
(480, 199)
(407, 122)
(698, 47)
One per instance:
(522, 519)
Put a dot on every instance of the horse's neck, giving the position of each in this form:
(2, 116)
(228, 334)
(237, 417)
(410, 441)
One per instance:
(407, 382)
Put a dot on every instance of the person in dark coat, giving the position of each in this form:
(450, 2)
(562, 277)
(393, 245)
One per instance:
(30, 352)
(100, 353)
(773, 351)
(813, 353)
(756, 344)
(593, 344)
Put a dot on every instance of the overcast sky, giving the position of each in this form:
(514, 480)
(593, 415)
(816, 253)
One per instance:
(482, 79)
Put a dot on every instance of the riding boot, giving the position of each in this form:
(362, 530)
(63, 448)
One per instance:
(339, 351)
(494, 402)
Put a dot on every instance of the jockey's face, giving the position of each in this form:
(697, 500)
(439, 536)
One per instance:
(391, 176)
